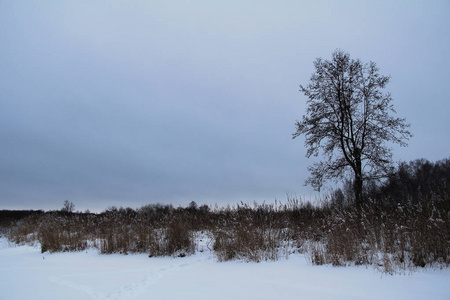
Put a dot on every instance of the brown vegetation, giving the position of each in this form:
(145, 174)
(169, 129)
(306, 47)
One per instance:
(392, 236)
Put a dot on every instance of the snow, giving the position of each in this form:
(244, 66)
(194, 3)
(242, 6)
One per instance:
(25, 273)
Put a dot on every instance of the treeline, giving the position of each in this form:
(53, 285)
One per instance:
(419, 181)
(393, 231)
(10, 217)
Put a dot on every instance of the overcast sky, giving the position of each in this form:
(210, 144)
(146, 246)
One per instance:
(127, 103)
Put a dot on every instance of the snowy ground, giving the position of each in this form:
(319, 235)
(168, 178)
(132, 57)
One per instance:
(25, 273)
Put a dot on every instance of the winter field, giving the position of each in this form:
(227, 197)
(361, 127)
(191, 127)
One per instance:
(26, 273)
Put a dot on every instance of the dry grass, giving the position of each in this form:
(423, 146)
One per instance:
(392, 238)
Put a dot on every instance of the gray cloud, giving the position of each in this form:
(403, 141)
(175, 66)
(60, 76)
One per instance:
(125, 104)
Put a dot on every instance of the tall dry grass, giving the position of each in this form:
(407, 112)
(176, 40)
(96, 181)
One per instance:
(390, 237)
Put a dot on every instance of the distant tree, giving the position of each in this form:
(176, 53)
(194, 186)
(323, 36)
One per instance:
(68, 207)
(193, 206)
(204, 209)
(349, 119)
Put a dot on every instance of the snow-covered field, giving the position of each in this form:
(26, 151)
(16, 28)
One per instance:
(25, 273)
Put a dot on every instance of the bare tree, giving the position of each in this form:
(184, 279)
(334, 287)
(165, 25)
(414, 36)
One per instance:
(68, 206)
(349, 120)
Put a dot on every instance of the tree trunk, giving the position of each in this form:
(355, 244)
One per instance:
(358, 184)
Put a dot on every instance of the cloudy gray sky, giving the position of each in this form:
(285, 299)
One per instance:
(132, 102)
